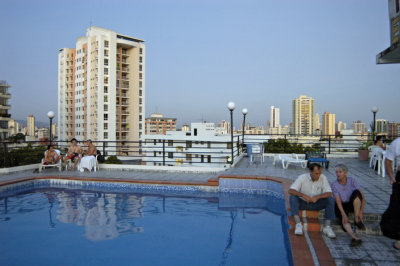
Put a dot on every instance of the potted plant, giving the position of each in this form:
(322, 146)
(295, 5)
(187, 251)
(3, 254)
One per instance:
(363, 152)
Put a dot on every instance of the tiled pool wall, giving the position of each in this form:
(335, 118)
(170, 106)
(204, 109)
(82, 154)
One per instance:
(250, 186)
(226, 186)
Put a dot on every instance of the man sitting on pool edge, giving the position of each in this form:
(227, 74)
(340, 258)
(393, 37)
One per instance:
(311, 191)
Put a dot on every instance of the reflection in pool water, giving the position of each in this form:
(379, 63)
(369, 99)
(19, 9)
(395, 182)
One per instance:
(150, 228)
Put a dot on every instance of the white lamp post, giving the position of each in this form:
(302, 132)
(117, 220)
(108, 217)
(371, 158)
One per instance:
(50, 116)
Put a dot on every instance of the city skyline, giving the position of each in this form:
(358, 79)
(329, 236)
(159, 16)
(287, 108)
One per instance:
(249, 53)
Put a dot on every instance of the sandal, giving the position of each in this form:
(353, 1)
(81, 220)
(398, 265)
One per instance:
(355, 242)
(360, 225)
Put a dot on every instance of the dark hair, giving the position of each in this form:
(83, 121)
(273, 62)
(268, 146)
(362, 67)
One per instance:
(49, 146)
(88, 140)
(312, 166)
(378, 138)
(73, 140)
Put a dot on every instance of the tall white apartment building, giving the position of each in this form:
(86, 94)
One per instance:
(274, 117)
(328, 124)
(303, 115)
(101, 87)
(30, 126)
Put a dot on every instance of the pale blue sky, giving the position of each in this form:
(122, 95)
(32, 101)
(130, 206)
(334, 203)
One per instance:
(202, 54)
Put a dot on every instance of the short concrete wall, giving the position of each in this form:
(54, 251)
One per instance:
(180, 169)
(4, 171)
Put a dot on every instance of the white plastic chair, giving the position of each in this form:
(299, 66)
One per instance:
(257, 150)
(58, 164)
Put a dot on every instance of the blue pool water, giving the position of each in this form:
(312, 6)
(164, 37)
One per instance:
(63, 226)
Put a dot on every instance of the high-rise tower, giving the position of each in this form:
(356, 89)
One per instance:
(101, 87)
(303, 115)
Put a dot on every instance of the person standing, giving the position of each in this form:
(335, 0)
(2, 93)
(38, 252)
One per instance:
(393, 156)
(311, 191)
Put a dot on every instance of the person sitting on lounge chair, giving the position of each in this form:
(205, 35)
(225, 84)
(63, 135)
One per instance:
(51, 156)
(89, 159)
(74, 154)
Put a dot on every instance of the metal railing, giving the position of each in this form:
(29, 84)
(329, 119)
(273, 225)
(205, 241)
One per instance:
(130, 152)
(178, 152)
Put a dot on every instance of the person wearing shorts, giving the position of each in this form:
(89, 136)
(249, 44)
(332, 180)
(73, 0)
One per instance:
(74, 154)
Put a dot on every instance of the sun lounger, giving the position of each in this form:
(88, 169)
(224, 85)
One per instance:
(58, 164)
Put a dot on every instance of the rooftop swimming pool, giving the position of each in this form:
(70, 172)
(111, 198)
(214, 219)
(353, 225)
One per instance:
(76, 223)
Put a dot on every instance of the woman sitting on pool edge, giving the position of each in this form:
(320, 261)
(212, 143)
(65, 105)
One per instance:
(348, 198)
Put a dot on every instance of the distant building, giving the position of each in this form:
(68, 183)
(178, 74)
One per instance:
(317, 124)
(30, 126)
(54, 131)
(382, 126)
(340, 126)
(303, 115)
(328, 124)
(158, 124)
(274, 117)
(4, 107)
(43, 133)
(201, 146)
(14, 127)
(185, 128)
(359, 127)
(393, 130)
(225, 125)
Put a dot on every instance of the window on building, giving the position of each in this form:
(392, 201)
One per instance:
(105, 98)
(105, 117)
(170, 155)
(170, 142)
(105, 135)
(140, 59)
(105, 126)
(209, 158)
(106, 71)
(140, 50)
(106, 44)
(155, 154)
(140, 100)
(195, 132)
(105, 89)
(202, 158)
(188, 144)
(140, 68)
(106, 62)
(140, 92)
(140, 84)
(105, 108)
(188, 156)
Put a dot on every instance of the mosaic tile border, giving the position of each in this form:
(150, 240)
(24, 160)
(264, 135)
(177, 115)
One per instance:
(268, 188)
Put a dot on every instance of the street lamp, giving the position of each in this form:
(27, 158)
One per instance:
(51, 116)
(231, 106)
(244, 111)
(374, 110)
